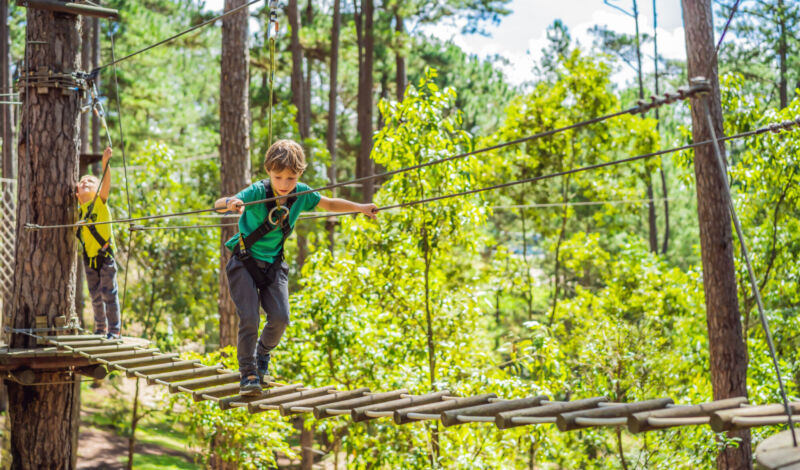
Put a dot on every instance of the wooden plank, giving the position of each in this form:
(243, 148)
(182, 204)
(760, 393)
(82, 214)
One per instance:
(191, 385)
(505, 419)
(722, 420)
(117, 356)
(326, 411)
(778, 452)
(451, 417)
(331, 398)
(360, 413)
(144, 361)
(168, 377)
(638, 422)
(216, 392)
(401, 415)
(161, 368)
(236, 400)
(262, 405)
(566, 421)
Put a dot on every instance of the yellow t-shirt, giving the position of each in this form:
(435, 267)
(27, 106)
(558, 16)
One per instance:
(100, 213)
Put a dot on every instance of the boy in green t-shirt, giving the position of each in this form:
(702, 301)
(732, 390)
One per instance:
(257, 274)
(97, 242)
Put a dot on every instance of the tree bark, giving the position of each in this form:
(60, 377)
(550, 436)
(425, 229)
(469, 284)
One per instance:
(366, 60)
(44, 418)
(330, 224)
(6, 111)
(86, 55)
(97, 144)
(297, 82)
(309, 19)
(726, 345)
(400, 59)
(234, 149)
(783, 84)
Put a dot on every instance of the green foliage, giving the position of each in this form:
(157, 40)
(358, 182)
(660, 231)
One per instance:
(250, 441)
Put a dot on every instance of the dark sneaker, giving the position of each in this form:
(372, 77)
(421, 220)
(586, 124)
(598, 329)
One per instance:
(112, 336)
(250, 385)
(262, 363)
(100, 332)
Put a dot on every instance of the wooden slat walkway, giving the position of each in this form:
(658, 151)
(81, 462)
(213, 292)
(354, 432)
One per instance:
(132, 357)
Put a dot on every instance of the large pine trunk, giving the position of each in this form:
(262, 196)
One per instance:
(400, 58)
(330, 224)
(726, 345)
(366, 56)
(44, 417)
(234, 149)
(297, 78)
(6, 112)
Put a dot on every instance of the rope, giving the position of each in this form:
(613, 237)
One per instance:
(125, 171)
(176, 36)
(642, 107)
(771, 128)
(750, 271)
(314, 215)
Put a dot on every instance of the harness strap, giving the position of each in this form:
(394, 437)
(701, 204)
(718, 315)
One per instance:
(263, 278)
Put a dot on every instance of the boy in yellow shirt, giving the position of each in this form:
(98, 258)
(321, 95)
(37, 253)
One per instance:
(98, 252)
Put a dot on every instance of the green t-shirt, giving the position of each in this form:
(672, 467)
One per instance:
(268, 247)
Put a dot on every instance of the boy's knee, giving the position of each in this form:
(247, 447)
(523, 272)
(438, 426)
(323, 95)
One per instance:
(281, 318)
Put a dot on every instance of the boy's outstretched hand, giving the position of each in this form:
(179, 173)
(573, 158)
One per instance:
(106, 155)
(370, 210)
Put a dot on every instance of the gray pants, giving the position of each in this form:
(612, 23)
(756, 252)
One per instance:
(275, 301)
(103, 291)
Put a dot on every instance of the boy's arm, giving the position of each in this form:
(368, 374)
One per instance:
(229, 204)
(343, 205)
(105, 185)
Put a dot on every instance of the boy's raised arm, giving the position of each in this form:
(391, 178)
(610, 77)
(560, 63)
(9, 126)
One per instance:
(105, 185)
(343, 205)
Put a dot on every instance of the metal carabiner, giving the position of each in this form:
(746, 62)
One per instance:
(285, 213)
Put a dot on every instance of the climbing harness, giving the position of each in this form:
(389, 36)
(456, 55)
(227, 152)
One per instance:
(106, 251)
(277, 218)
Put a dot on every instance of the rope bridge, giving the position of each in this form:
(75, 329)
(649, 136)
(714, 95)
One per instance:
(94, 355)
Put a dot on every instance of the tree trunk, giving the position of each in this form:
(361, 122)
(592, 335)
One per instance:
(97, 143)
(6, 111)
(366, 57)
(306, 445)
(44, 418)
(234, 149)
(330, 224)
(297, 81)
(783, 86)
(651, 215)
(400, 59)
(665, 192)
(309, 19)
(726, 345)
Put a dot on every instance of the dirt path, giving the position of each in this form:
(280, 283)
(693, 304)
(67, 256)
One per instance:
(101, 450)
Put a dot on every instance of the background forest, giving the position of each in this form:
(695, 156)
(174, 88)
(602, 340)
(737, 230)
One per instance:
(573, 287)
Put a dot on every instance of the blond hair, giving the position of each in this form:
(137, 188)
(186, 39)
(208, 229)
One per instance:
(285, 155)
(90, 177)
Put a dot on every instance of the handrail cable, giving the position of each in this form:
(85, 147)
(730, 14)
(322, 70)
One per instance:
(642, 107)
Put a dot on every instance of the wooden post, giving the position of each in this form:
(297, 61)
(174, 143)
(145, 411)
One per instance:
(726, 344)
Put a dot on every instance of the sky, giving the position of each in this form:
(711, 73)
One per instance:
(522, 34)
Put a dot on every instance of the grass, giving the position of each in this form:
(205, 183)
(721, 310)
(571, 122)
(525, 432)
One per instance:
(160, 462)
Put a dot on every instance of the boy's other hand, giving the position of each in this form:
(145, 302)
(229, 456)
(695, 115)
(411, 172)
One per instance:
(106, 155)
(234, 205)
(370, 210)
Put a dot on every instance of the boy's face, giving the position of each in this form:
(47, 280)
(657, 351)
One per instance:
(284, 181)
(87, 187)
